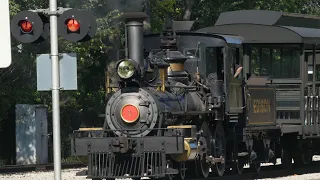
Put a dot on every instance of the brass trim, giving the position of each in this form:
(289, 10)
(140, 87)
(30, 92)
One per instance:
(127, 120)
(176, 67)
(185, 155)
(181, 127)
(108, 83)
(188, 139)
(163, 76)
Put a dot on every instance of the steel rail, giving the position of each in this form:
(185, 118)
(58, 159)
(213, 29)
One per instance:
(37, 167)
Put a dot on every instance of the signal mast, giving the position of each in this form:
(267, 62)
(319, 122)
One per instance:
(35, 26)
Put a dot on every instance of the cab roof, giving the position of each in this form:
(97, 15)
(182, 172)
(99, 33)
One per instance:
(271, 18)
(262, 26)
(225, 38)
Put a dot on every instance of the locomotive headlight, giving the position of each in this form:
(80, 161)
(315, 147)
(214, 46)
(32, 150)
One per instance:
(126, 69)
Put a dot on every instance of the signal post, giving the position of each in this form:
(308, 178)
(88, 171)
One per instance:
(35, 26)
(55, 89)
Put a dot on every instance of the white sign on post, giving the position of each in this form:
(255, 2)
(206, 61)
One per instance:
(5, 36)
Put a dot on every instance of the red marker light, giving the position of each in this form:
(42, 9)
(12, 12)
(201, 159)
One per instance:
(73, 25)
(26, 26)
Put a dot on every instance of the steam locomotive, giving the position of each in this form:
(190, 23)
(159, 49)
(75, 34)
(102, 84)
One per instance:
(181, 110)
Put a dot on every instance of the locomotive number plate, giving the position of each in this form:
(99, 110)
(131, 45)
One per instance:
(261, 109)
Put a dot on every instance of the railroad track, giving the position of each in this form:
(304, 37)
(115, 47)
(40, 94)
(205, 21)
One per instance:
(266, 171)
(37, 167)
(274, 171)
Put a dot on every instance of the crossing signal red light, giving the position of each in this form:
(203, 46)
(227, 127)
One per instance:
(29, 27)
(73, 25)
(77, 25)
(26, 26)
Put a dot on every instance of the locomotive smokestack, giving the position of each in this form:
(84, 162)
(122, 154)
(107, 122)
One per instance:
(134, 36)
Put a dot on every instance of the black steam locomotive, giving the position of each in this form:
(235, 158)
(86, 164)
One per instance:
(191, 104)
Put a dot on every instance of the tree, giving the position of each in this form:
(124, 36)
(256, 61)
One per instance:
(187, 14)
(206, 12)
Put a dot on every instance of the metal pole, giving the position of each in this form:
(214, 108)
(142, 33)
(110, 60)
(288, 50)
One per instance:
(314, 68)
(55, 89)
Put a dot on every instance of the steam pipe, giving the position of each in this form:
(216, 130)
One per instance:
(134, 36)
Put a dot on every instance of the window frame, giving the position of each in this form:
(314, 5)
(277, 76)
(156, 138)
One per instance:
(294, 52)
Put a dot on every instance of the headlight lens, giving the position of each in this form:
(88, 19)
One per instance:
(126, 69)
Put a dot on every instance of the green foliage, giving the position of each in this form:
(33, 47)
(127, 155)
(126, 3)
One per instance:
(14, 7)
(160, 10)
(207, 11)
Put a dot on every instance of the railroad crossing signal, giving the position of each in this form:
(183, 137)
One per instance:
(34, 27)
(77, 26)
(30, 27)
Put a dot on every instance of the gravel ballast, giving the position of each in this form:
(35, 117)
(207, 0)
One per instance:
(70, 174)
(67, 174)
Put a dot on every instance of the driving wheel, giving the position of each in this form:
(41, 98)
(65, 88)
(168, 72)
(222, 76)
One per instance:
(182, 170)
(203, 166)
(286, 158)
(218, 143)
(256, 166)
(303, 158)
(238, 165)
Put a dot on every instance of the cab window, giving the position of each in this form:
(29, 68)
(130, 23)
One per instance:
(235, 56)
(275, 63)
(310, 66)
(208, 59)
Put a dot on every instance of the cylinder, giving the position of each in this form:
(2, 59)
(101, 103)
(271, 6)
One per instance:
(190, 151)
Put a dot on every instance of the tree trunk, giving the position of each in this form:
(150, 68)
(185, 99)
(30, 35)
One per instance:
(187, 13)
(146, 23)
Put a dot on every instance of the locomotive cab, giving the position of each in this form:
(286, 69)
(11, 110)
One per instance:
(212, 57)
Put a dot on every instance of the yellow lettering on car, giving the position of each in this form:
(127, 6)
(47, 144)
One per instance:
(261, 106)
